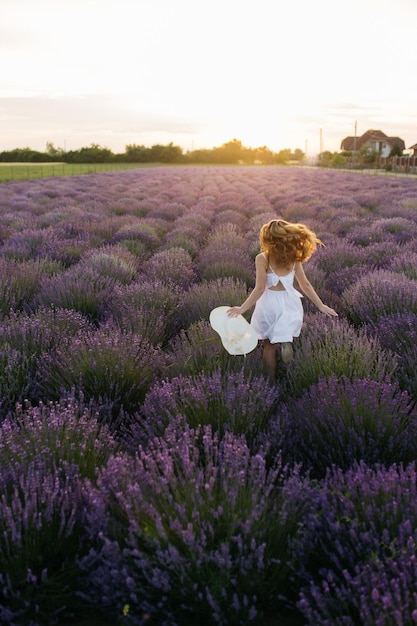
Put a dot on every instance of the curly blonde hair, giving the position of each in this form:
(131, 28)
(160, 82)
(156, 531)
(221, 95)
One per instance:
(288, 242)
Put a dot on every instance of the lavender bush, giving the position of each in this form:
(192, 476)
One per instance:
(237, 402)
(183, 237)
(147, 307)
(328, 347)
(173, 266)
(339, 421)
(398, 333)
(396, 229)
(113, 261)
(199, 349)
(202, 297)
(61, 244)
(64, 434)
(378, 294)
(42, 538)
(79, 288)
(19, 283)
(356, 556)
(24, 339)
(82, 249)
(406, 264)
(341, 263)
(139, 238)
(111, 367)
(225, 255)
(198, 530)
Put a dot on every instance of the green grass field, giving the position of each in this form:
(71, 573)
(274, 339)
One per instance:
(30, 171)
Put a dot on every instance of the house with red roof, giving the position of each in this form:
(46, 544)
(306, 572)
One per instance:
(376, 140)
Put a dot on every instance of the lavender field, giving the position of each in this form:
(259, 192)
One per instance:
(147, 476)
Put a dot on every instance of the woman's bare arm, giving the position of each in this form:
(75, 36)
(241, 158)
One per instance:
(261, 267)
(308, 289)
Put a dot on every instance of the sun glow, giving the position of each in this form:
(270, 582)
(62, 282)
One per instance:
(200, 75)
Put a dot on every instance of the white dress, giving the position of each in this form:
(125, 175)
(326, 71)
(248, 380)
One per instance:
(278, 314)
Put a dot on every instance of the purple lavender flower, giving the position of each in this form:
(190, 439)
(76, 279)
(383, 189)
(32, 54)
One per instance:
(63, 434)
(339, 421)
(201, 526)
(199, 300)
(378, 294)
(238, 402)
(356, 555)
(173, 266)
(111, 367)
(149, 308)
(41, 541)
(80, 288)
(198, 349)
(329, 347)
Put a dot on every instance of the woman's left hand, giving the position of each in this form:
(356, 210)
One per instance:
(328, 311)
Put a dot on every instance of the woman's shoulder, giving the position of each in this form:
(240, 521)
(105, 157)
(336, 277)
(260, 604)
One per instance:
(261, 260)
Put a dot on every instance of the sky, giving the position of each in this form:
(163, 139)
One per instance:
(198, 73)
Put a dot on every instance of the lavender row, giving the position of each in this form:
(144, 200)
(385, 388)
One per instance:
(148, 474)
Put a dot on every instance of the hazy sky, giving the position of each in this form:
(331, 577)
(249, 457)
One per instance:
(281, 73)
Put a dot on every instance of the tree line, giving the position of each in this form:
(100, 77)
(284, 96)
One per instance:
(230, 153)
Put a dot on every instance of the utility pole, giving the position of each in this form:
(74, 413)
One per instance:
(354, 144)
(321, 141)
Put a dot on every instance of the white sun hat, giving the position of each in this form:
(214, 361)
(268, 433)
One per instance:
(237, 335)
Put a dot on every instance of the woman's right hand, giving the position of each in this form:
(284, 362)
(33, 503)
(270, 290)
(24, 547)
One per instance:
(234, 311)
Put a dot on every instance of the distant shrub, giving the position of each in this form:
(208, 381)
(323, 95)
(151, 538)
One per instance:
(339, 421)
(19, 283)
(328, 347)
(79, 288)
(379, 294)
(113, 261)
(226, 254)
(397, 229)
(202, 529)
(405, 264)
(173, 266)
(147, 307)
(356, 557)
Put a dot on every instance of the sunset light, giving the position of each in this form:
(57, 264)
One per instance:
(198, 74)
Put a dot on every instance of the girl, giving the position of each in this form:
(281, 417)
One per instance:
(278, 314)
